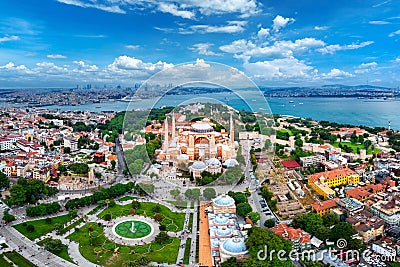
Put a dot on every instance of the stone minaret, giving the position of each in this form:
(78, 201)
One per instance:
(166, 134)
(232, 132)
(173, 126)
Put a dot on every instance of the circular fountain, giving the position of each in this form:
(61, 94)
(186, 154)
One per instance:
(133, 229)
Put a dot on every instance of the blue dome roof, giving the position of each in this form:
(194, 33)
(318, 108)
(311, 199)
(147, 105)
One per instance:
(221, 219)
(199, 165)
(213, 162)
(224, 231)
(234, 245)
(224, 200)
(229, 163)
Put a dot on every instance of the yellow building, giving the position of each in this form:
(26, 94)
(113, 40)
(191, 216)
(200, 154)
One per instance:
(324, 207)
(322, 182)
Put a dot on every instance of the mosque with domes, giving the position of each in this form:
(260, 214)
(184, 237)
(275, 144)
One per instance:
(198, 146)
(227, 233)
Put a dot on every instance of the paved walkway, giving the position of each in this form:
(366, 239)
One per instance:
(192, 257)
(204, 239)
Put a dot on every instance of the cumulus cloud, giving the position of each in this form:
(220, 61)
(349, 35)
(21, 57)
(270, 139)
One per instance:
(263, 32)
(280, 22)
(203, 49)
(108, 7)
(8, 38)
(83, 66)
(331, 49)
(284, 68)
(173, 9)
(130, 63)
(366, 67)
(336, 74)
(56, 56)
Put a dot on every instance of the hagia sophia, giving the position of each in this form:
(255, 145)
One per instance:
(197, 146)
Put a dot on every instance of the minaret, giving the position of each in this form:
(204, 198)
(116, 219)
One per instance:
(389, 126)
(166, 134)
(173, 126)
(232, 132)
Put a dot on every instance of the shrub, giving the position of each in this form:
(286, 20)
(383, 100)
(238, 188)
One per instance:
(30, 228)
(107, 217)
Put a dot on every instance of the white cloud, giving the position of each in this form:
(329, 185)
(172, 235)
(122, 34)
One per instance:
(203, 49)
(394, 33)
(320, 28)
(397, 59)
(378, 22)
(232, 27)
(331, 49)
(280, 22)
(8, 38)
(133, 47)
(263, 32)
(50, 68)
(9, 65)
(83, 67)
(108, 7)
(366, 67)
(182, 8)
(56, 56)
(173, 9)
(284, 68)
(336, 74)
(131, 63)
(277, 49)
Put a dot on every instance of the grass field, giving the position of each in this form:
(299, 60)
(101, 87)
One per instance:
(41, 226)
(359, 146)
(187, 251)
(115, 255)
(4, 263)
(62, 254)
(18, 260)
(172, 220)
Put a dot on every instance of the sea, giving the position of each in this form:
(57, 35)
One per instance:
(355, 111)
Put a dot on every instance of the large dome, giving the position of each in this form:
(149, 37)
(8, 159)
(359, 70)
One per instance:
(202, 127)
(234, 245)
(199, 165)
(221, 219)
(229, 163)
(224, 200)
(224, 231)
(213, 162)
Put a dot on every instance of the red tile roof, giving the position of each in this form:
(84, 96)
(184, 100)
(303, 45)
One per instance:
(331, 174)
(290, 164)
(291, 233)
(327, 204)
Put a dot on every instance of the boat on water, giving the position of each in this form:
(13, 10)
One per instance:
(301, 103)
(130, 99)
(291, 101)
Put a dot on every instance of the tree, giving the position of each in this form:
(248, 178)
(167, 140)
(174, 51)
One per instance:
(209, 193)
(254, 216)
(158, 217)
(4, 181)
(53, 245)
(67, 150)
(269, 223)
(30, 228)
(162, 238)
(330, 219)
(268, 144)
(342, 230)
(258, 240)
(113, 163)
(298, 143)
(7, 217)
(107, 217)
(17, 195)
(174, 192)
(231, 262)
(156, 208)
(135, 204)
(243, 209)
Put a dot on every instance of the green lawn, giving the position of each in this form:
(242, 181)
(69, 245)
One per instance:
(359, 146)
(125, 198)
(179, 205)
(114, 255)
(3, 262)
(71, 226)
(172, 220)
(20, 261)
(96, 209)
(62, 254)
(187, 251)
(41, 226)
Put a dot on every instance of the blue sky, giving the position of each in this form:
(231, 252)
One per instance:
(275, 43)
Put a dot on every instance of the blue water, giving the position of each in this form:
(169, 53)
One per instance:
(370, 112)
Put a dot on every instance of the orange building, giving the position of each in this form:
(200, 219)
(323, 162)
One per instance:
(324, 207)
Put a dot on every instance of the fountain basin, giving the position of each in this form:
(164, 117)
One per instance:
(133, 229)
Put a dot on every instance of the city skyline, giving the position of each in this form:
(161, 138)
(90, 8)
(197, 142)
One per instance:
(276, 43)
